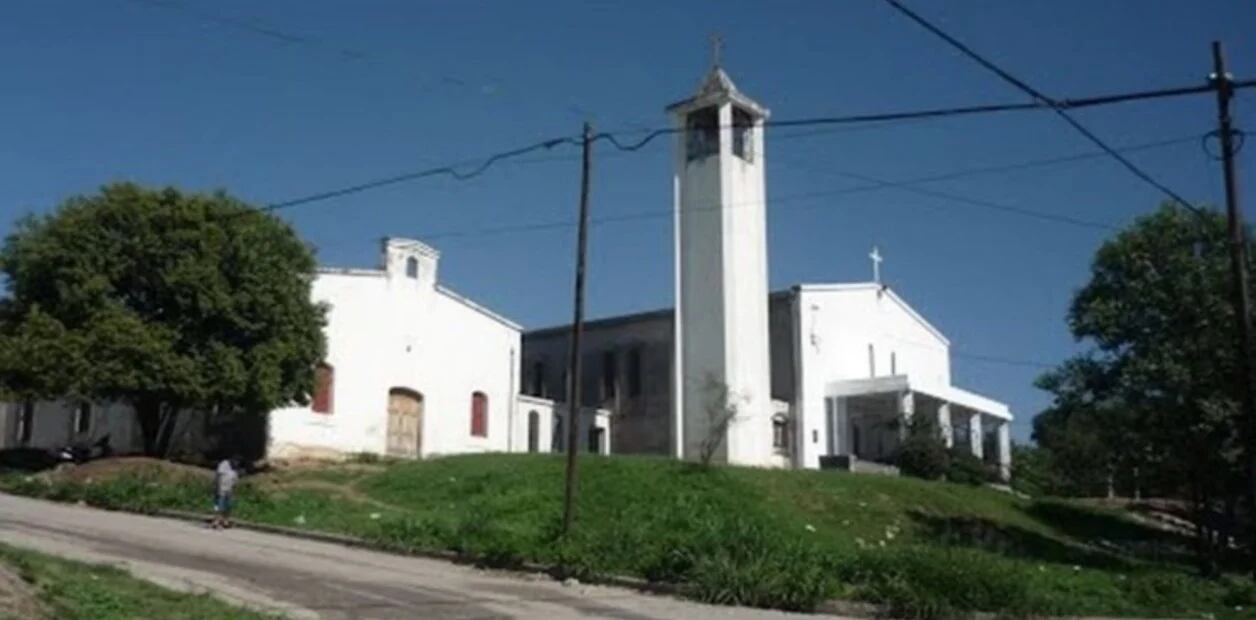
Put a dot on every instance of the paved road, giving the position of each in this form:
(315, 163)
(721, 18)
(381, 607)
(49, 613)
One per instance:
(303, 579)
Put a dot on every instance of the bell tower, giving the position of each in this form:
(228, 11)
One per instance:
(721, 320)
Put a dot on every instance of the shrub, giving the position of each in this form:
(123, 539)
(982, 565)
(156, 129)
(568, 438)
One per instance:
(966, 468)
(923, 453)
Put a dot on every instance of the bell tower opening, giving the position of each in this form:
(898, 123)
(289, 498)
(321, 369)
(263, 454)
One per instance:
(702, 133)
(743, 134)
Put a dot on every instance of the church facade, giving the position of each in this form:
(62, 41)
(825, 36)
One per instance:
(810, 375)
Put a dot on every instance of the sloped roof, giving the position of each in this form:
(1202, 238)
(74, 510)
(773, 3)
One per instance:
(717, 87)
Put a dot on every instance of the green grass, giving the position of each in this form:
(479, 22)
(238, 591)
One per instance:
(783, 539)
(76, 591)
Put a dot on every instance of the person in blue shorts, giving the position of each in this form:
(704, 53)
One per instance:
(225, 478)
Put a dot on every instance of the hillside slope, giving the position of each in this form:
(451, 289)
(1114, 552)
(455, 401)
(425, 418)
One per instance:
(783, 539)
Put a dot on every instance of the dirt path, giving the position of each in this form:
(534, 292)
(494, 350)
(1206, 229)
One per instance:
(304, 579)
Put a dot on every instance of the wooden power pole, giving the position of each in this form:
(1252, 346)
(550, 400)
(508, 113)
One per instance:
(577, 327)
(1223, 84)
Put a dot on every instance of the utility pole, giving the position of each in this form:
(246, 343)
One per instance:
(1223, 84)
(577, 327)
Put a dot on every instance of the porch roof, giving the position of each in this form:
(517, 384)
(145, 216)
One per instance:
(902, 383)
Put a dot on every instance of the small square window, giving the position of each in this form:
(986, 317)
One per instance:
(634, 372)
(610, 375)
(26, 423)
(780, 434)
(83, 418)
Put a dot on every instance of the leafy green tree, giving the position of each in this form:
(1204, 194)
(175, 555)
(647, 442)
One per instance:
(164, 300)
(1160, 390)
(1084, 432)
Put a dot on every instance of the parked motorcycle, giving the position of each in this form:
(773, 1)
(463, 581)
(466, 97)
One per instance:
(80, 453)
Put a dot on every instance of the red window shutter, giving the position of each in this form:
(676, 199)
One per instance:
(324, 387)
(479, 415)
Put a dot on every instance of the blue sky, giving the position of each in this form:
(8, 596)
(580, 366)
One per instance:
(275, 100)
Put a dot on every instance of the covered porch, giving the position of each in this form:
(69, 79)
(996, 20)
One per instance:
(867, 419)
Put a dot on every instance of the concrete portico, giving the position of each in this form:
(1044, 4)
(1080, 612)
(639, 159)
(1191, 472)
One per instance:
(867, 419)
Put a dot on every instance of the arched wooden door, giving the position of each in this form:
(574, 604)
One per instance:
(405, 423)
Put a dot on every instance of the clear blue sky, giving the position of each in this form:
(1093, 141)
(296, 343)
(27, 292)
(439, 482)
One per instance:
(334, 93)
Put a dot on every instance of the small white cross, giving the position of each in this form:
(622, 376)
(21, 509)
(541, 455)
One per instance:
(876, 264)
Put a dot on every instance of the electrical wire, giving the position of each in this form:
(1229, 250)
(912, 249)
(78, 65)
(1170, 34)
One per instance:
(1056, 106)
(869, 186)
(448, 170)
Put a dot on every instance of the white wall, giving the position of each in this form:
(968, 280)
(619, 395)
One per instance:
(386, 331)
(836, 323)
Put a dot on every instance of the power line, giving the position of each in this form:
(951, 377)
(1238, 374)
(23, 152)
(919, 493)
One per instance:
(870, 186)
(1052, 103)
(613, 138)
(1057, 105)
(447, 170)
(271, 31)
(1005, 361)
(977, 202)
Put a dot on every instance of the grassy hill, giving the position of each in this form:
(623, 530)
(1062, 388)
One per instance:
(35, 586)
(784, 539)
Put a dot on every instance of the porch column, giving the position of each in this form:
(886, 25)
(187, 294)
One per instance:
(1005, 450)
(944, 424)
(906, 408)
(976, 439)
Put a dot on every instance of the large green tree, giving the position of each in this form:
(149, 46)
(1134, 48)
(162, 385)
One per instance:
(168, 301)
(1160, 389)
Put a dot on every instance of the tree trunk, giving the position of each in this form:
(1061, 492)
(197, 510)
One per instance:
(156, 420)
(1204, 555)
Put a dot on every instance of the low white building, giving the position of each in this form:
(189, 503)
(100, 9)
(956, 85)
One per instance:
(413, 369)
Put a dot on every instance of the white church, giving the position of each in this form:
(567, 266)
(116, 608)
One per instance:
(810, 376)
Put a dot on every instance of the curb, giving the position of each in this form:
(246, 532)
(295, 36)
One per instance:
(553, 571)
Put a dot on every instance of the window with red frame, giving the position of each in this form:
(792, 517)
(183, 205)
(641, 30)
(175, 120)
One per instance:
(324, 388)
(479, 415)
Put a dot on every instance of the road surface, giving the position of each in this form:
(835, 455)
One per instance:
(305, 579)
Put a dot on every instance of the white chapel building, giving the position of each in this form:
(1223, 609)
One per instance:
(415, 370)
(814, 375)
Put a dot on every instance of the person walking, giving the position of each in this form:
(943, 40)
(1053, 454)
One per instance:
(225, 478)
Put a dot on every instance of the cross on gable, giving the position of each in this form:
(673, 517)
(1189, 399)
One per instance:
(876, 264)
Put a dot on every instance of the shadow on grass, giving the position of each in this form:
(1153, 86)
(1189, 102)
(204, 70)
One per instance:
(1087, 537)
(1013, 541)
(1113, 532)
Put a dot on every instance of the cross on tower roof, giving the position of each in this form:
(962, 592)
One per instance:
(717, 49)
(876, 264)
